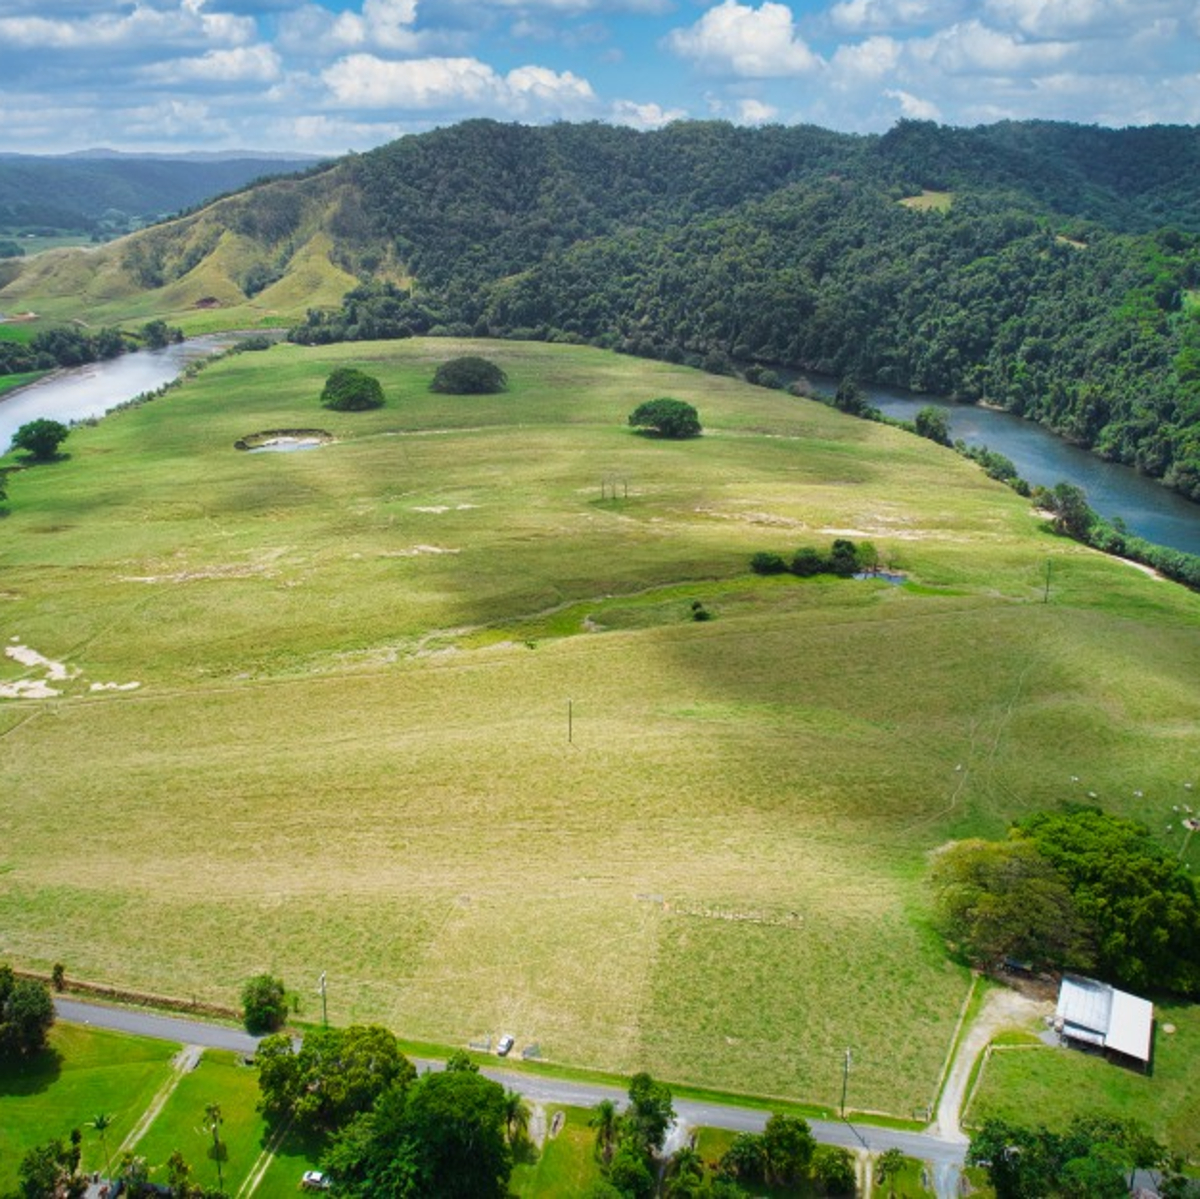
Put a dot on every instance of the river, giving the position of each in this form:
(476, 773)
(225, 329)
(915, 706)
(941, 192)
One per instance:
(88, 391)
(1148, 509)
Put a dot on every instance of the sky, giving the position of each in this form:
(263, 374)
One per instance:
(327, 77)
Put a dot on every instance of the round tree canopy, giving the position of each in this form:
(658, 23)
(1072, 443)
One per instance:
(350, 390)
(667, 418)
(469, 376)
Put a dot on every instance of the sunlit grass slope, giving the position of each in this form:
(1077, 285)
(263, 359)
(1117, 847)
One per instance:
(350, 750)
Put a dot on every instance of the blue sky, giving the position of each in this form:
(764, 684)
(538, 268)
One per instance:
(329, 76)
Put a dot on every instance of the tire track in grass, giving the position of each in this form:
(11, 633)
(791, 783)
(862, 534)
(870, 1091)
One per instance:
(262, 1164)
(185, 1061)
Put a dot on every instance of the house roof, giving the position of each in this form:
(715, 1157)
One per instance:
(1101, 1015)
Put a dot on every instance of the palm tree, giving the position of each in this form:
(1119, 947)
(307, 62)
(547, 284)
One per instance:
(101, 1123)
(606, 1120)
(685, 1173)
(212, 1123)
(516, 1116)
(887, 1168)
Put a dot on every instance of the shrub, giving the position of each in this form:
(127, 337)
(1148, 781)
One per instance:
(667, 418)
(469, 376)
(351, 390)
(264, 1004)
(808, 561)
(767, 564)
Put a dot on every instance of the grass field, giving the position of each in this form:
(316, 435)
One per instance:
(1027, 1084)
(85, 1073)
(348, 745)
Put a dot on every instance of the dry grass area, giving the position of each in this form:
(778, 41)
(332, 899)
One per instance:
(350, 757)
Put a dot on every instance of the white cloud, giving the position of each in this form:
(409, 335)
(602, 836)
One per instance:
(1084, 18)
(246, 64)
(869, 60)
(644, 116)
(142, 27)
(755, 43)
(880, 16)
(974, 48)
(364, 81)
(913, 106)
(755, 112)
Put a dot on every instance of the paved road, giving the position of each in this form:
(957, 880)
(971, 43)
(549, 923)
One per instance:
(944, 1155)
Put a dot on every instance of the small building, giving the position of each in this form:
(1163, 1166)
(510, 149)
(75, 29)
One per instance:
(1094, 1014)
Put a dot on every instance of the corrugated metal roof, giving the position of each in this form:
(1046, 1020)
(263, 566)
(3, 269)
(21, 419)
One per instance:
(1130, 1026)
(1097, 1013)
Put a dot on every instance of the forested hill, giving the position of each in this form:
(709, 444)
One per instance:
(1045, 267)
(1057, 282)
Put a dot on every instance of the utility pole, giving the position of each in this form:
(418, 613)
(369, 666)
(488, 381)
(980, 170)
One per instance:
(324, 1009)
(1046, 595)
(845, 1082)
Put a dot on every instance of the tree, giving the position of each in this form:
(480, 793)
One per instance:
(788, 1146)
(50, 1171)
(667, 417)
(833, 1169)
(630, 1173)
(469, 375)
(888, 1167)
(745, 1159)
(650, 1112)
(264, 1004)
(516, 1116)
(606, 1120)
(26, 1015)
(843, 557)
(1139, 905)
(212, 1124)
(931, 422)
(764, 563)
(808, 561)
(685, 1174)
(1069, 508)
(100, 1124)
(40, 438)
(336, 1074)
(850, 397)
(350, 390)
(1005, 899)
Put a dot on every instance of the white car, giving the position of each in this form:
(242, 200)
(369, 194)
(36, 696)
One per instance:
(314, 1180)
(505, 1046)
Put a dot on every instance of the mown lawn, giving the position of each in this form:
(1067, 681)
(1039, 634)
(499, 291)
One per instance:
(219, 1078)
(84, 1073)
(348, 746)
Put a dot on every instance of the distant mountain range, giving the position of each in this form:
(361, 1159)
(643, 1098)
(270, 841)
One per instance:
(108, 192)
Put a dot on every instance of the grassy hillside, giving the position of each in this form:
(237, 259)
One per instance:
(348, 750)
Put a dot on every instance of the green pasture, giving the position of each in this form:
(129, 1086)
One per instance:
(348, 746)
(566, 1164)
(85, 1072)
(219, 1078)
(1044, 1085)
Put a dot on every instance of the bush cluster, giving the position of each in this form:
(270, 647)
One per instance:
(843, 558)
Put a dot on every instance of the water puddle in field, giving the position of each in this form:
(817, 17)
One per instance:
(283, 441)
